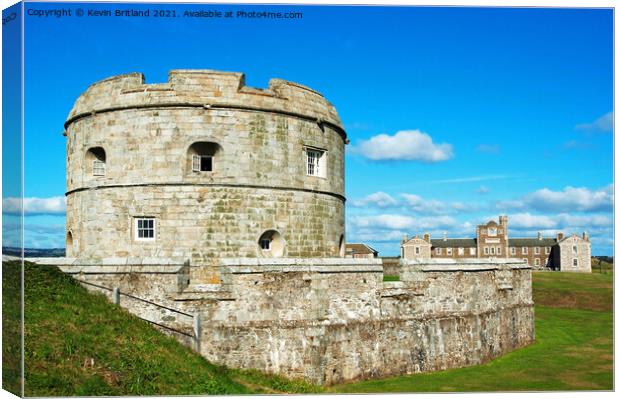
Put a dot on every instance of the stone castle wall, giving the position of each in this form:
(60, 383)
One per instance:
(335, 320)
(259, 179)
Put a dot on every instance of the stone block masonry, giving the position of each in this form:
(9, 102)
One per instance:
(333, 320)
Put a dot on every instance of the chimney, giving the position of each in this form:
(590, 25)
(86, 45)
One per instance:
(539, 236)
(586, 237)
(427, 237)
(560, 236)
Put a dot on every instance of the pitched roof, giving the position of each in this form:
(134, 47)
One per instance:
(453, 242)
(360, 249)
(531, 242)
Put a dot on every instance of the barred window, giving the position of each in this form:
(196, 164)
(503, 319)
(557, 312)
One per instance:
(145, 229)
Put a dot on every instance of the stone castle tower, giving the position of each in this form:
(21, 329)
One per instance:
(204, 164)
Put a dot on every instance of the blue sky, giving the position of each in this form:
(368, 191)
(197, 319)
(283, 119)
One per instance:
(455, 115)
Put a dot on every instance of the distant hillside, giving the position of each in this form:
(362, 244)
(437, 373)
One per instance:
(34, 252)
(79, 344)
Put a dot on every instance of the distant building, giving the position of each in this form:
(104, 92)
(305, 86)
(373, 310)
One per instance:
(360, 251)
(571, 253)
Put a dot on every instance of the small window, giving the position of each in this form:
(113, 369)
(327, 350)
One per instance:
(547, 250)
(96, 158)
(417, 250)
(524, 250)
(499, 250)
(525, 260)
(202, 163)
(202, 156)
(98, 168)
(537, 262)
(513, 250)
(472, 251)
(537, 250)
(449, 251)
(486, 250)
(575, 262)
(492, 250)
(145, 229)
(265, 244)
(461, 251)
(437, 251)
(315, 162)
(271, 244)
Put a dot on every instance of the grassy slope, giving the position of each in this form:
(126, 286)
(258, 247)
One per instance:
(66, 327)
(11, 327)
(573, 348)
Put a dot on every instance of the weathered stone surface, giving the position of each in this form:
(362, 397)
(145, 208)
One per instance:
(334, 320)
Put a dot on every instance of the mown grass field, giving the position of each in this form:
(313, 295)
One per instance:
(80, 344)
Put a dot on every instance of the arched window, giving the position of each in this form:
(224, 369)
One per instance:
(95, 161)
(202, 156)
(69, 244)
(271, 244)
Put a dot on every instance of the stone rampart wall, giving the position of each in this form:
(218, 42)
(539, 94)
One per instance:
(335, 320)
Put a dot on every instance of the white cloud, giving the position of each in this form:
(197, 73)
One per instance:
(489, 148)
(603, 124)
(401, 222)
(378, 199)
(471, 179)
(571, 199)
(35, 206)
(521, 221)
(409, 145)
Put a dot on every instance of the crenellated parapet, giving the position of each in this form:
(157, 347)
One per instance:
(208, 89)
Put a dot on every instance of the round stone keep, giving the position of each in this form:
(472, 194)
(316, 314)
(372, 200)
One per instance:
(204, 165)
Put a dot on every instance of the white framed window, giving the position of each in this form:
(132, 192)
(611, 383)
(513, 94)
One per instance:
(98, 168)
(461, 251)
(524, 250)
(486, 250)
(144, 229)
(472, 251)
(537, 262)
(449, 251)
(315, 162)
(437, 251)
(492, 231)
(202, 163)
(575, 262)
(547, 250)
(492, 250)
(499, 250)
(513, 250)
(537, 250)
(417, 250)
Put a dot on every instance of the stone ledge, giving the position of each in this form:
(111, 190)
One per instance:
(292, 265)
(471, 265)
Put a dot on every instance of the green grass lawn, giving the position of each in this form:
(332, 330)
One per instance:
(66, 327)
(573, 348)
